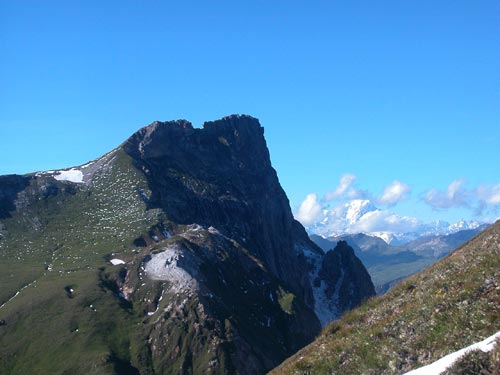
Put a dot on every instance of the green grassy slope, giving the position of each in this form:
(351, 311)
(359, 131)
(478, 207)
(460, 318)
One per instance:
(59, 242)
(446, 307)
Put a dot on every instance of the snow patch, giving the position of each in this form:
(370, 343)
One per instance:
(72, 175)
(116, 262)
(326, 309)
(442, 364)
(173, 265)
(17, 293)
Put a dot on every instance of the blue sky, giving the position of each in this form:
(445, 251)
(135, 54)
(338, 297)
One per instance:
(399, 94)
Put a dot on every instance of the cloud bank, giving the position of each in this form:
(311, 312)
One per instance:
(454, 196)
(349, 209)
(309, 210)
(479, 199)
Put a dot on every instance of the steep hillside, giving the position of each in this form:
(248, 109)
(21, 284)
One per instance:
(176, 252)
(444, 308)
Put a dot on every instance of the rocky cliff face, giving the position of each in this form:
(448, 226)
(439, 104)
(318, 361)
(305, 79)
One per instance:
(222, 176)
(343, 273)
(175, 253)
(340, 281)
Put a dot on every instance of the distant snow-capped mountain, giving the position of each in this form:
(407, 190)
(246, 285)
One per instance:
(361, 216)
(356, 209)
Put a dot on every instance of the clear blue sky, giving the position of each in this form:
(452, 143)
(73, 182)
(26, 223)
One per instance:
(388, 91)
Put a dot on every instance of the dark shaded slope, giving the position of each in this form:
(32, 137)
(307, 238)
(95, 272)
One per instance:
(11, 186)
(344, 271)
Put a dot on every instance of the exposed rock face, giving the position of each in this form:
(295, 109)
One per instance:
(340, 281)
(345, 277)
(183, 240)
(11, 185)
(221, 176)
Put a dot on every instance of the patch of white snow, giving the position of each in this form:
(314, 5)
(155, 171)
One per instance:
(87, 165)
(442, 364)
(116, 262)
(173, 265)
(72, 175)
(326, 309)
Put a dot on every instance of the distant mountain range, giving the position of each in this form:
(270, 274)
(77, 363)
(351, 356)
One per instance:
(388, 264)
(358, 216)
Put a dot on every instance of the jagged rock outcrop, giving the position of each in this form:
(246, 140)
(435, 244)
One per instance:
(177, 252)
(340, 281)
(347, 281)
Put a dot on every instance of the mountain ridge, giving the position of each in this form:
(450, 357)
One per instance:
(176, 250)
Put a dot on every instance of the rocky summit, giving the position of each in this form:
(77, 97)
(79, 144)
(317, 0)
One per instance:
(175, 253)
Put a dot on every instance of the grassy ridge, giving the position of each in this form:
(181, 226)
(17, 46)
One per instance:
(59, 242)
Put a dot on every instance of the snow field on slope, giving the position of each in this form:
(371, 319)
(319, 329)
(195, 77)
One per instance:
(442, 364)
(72, 175)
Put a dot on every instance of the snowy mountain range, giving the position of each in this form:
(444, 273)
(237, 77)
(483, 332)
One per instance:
(361, 216)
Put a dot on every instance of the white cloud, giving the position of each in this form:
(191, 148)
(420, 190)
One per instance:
(488, 198)
(360, 216)
(482, 198)
(454, 196)
(345, 189)
(348, 209)
(310, 210)
(394, 193)
(345, 182)
(489, 194)
(384, 221)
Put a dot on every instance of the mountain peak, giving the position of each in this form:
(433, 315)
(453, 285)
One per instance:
(356, 208)
(235, 121)
(235, 133)
(183, 238)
